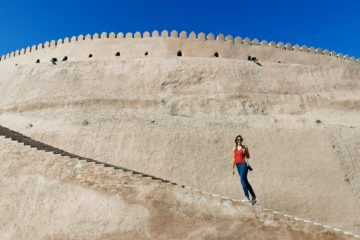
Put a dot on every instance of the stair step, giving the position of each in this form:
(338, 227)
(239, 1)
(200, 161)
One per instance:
(27, 141)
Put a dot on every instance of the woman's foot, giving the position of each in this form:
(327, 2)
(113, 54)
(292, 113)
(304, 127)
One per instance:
(246, 200)
(253, 201)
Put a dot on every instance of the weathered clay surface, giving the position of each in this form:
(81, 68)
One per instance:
(53, 197)
(176, 118)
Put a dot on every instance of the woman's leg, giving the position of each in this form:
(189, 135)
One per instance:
(242, 169)
(250, 189)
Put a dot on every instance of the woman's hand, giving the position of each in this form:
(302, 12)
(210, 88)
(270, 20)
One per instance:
(233, 172)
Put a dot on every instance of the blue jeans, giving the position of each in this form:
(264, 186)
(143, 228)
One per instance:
(243, 171)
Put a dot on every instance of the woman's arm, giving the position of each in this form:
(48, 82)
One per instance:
(247, 153)
(233, 165)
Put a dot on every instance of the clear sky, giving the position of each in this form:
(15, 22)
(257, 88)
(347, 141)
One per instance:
(332, 25)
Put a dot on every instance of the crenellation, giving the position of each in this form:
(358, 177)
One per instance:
(174, 34)
(192, 35)
(183, 35)
(220, 37)
(229, 38)
(137, 35)
(146, 34)
(201, 36)
(155, 34)
(318, 51)
(210, 37)
(296, 47)
(95, 36)
(280, 45)
(112, 35)
(164, 34)
(52, 43)
(103, 35)
(255, 42)
(239, 42)
(80, 38)
(129, 35)
(272, 44)
(120, 35)
(304, 48)
(288, 46)
(311, 49)
(247, 41)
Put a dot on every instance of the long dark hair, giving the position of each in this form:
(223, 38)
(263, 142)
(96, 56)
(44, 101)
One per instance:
(238, 136)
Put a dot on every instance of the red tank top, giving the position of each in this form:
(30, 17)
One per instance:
(239, 156)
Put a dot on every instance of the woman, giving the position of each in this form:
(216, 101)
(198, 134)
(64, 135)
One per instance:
(240, 153)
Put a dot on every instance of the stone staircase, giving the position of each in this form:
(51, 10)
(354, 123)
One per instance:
(27, 141)
(86, 168)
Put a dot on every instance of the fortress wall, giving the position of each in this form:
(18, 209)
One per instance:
(211, 83)
(165, 44)
(156, 115)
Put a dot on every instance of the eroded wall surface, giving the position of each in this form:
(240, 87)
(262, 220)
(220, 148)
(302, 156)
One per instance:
(177, 116)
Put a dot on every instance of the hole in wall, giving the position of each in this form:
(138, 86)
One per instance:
(90, 55)
(37, 60)
(179, 53)
(216, 54)
(146, 53)
(53, 60)
(117, 54)
(65, 58)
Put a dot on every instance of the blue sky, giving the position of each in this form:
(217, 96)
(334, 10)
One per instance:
(332, 25)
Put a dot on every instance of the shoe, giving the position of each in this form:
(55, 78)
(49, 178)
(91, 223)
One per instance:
(253, 201)
(245, 200)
